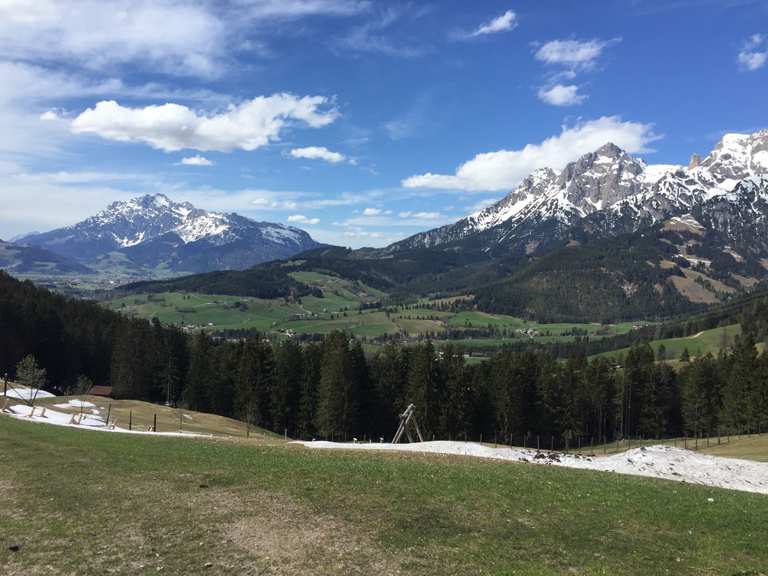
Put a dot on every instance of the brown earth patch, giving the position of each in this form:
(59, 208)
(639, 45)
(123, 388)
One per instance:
(289, 539)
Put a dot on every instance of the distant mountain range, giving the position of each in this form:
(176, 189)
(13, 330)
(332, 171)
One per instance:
(153, 236)
(608, 237)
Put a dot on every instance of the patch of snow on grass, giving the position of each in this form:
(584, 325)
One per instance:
(76, 404)
(88, 422)
(653, 461)
(24, 393)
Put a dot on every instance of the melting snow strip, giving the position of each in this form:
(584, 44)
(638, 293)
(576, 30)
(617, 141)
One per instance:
(653, 461)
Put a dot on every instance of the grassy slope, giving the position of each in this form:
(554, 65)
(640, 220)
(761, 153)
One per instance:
(82, 502)
(698, 344)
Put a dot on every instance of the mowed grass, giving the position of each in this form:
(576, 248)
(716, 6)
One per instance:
(84, 502)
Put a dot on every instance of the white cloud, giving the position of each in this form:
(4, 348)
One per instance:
(173, 127)
(318, 153)
(301, 219)
(375, 37)
(503, 23)
(178, 37)
(300, 8)
(372, 212)
(196, 161)
(572, 53)
(421, 215)
(504, 169)
(751, 58)
(560, 95)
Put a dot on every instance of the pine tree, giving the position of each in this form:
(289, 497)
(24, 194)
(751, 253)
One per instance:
(740, 390)
(454, 416)
(289, 373)
(201, 373)
(310, 381)
(335, 403)
(253, 389)
(424, 388)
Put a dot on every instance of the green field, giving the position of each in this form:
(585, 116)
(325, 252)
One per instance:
(339, 309)
(711, 341)
(90, 503)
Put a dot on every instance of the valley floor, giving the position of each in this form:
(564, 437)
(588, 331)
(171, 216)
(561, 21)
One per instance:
(77, 502)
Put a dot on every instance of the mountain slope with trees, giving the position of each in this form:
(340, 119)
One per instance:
(608, 238)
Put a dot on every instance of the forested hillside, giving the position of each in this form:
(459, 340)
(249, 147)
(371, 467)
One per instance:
(330, 389)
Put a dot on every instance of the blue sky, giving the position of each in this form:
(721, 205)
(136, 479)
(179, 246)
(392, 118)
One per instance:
(361, 121)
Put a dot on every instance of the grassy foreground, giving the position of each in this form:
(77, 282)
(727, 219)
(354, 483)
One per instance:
(85, 502)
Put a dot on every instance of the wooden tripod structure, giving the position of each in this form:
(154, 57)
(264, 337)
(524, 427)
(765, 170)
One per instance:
(408, 420)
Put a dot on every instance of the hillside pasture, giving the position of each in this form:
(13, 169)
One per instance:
(78, 502)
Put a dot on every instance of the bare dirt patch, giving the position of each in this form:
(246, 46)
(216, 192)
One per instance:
(289, 538)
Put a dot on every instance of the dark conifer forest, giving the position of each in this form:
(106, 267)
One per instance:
(332, 389)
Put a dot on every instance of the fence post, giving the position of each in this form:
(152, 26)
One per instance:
(154, 423)
(181, 422)
(130, 420)
(109, 411)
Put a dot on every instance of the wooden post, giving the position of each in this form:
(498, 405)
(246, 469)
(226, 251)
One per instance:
(154, 424)
(109, 411)
(181, 422)
(130, 420)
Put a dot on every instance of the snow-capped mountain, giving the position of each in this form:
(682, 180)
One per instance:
(605, 191)
(153, 231)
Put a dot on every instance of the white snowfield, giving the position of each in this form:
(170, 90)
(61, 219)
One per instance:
(654, 461)
(92, 419)
(23, 393)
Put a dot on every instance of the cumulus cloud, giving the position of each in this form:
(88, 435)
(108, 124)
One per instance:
(503, 23)
(196, 161)
(560, 95)
(504, 169)
(301, 219)
(572, 53)
(318, 153)
(371, 212)
(754, 55)
(172, 127)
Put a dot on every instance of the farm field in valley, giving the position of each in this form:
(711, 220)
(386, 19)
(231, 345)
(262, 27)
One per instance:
(83, 502)
(340, 309)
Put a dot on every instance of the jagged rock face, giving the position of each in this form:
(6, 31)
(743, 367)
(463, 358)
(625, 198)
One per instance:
(601, 178)
(737, 156)
(606, 192)
(152, 230)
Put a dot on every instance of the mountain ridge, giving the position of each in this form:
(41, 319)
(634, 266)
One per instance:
(152, 232)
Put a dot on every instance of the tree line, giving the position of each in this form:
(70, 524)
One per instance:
(332, 389)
